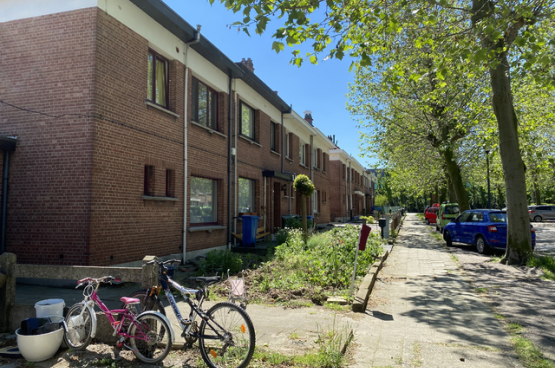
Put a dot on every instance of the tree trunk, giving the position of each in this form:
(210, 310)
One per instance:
(456, 179)
(443, 194)
(519, 240)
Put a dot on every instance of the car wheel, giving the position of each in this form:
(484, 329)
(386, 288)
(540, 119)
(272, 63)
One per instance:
(427, 222)
(447, 238)
(538, 218)
(481, 245)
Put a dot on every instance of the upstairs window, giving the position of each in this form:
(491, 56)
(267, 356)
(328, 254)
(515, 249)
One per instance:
(148, 181)
(247, 121)
(170, 183)
(274, 134)
(288, 145)
(302, 158)
(205, 105)
(157, 79)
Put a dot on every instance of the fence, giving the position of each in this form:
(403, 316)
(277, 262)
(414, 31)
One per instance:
(10, 270)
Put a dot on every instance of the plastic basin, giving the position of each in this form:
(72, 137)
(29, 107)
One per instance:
(50, 307)
(36, 348)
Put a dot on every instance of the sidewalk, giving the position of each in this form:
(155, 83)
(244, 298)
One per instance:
(422, 313)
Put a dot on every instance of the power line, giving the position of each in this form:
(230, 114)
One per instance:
(93, 116)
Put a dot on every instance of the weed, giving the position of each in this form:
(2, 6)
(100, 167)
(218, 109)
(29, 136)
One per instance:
(333, 344)
(294, 335)
(337, 307)
(220, 261)
(547, 264)
(500, 317)
(437, 236)
(421, 216)
(515, 328)
(530, 356)
(417, 355)
(30, 364)
(482, 290)
(495, 259)
(455, 258)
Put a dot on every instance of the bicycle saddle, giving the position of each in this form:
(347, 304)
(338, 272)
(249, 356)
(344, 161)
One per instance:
(130, 301)
(208, 280)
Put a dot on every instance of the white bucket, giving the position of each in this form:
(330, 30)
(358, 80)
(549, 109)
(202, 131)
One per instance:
(50, 307)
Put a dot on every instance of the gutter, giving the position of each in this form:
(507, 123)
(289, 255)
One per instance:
(229, 162)
(188, 44)
(283, 158)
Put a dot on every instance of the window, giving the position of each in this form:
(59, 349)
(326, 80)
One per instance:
(316, 198)
(170, 183)
(157, 79)
(204, 194)
(274, 133)
(288, 145)
(324, 162)
(247, 121)
(205, 105)
(148, 181)
(315, 157)
(302, 158)
(246, 195)
(343, 171)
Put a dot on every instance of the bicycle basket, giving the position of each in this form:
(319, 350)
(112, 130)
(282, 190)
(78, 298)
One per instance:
(237, 287)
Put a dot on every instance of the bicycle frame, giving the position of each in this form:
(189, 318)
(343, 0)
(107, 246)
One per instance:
(165, 281)
(93, 299)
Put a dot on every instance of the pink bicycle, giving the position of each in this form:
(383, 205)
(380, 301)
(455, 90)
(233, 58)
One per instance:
(148, 335)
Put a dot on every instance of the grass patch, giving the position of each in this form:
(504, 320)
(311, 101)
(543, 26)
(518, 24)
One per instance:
(547, 264)
(437, 236)
(500, 317)
(482, 290)
(514, 328)
(455, 258)
(529, 354)
(421, 217)
(417, 355)
(332, 345)
(337, 307)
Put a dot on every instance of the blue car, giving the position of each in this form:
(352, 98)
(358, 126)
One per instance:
(486, 229)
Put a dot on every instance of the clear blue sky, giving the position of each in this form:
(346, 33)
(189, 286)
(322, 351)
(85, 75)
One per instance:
(320, 88)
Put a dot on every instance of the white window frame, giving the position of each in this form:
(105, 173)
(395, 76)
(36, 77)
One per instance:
(287, 154)
(302, 158)
(252, 127)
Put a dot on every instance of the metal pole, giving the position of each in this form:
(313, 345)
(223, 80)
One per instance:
(489, 191)
(356, 259)
(4, 200)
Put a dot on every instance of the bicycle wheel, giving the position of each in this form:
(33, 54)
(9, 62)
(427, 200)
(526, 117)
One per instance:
(79, 327)
(235, 346)
(159, 341)
(147, 303)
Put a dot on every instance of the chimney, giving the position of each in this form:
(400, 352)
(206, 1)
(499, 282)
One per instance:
(248, 64)
(308, 116)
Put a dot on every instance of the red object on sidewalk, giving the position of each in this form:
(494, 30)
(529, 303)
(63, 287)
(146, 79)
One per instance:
(364, 233)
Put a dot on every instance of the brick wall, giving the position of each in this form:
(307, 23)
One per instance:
(48, 66)
(124, 227)
(338, 187)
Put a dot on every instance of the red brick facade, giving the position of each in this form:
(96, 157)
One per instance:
(77, 182)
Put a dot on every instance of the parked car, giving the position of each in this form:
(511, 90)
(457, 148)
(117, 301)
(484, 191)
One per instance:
(542, 212)
(446, 213)
(485, 229)
(431, 215)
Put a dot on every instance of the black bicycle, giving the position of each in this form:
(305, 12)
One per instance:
(225, 334)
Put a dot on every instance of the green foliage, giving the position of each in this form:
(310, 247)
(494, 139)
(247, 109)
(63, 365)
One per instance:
(326, 260)
(381, 200)
(530, 355)
(303, 185)
(220, 261)
(369, 219)
(296, 223)
(547, 264)
(282, 236)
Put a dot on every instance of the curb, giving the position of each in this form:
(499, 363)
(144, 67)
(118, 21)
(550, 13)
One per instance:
(365, 288)
(367, 284)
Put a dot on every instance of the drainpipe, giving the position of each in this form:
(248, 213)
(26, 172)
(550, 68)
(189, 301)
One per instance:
(282, 158)
(229, 164)
(185, 142)
(350, 188)
(235, 168)
(5, 176)
(312, 171)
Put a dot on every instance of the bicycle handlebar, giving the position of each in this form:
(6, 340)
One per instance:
(104, 279)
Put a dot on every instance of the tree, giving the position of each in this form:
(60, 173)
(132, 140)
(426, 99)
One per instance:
(304, 187)
(507, 37)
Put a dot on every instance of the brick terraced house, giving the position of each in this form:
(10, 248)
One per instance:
(351, 187)
(124, 132)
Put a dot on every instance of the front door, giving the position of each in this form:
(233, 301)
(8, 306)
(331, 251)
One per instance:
(277, 205)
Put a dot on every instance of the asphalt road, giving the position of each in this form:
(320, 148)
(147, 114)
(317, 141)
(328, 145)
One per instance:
(545, 238)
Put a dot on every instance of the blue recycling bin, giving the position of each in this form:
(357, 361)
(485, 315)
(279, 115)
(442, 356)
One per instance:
(250, 226)
(309, 221)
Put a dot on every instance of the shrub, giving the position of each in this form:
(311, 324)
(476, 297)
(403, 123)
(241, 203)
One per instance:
(220, 261)
(369, 219)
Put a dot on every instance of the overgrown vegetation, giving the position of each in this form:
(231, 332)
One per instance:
(421, 217)
(296, 273)
(369, 219)
(547, 264)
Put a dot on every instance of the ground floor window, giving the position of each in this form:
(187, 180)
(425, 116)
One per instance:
(204, 194)
(246, 195)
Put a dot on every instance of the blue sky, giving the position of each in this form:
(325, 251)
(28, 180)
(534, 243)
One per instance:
(321, 88)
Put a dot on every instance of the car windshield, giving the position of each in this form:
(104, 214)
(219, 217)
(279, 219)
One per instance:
(451, 210)
(498, 217)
